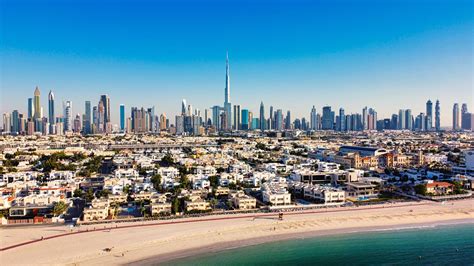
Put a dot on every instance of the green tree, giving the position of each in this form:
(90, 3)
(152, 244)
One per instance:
(59, 208)
(175, 205)
(156, 181)
(420, 189)
(89, 196)
(214, 180)
(78, 193)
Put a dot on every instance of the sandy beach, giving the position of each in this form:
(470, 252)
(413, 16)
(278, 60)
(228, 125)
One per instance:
(163, 241)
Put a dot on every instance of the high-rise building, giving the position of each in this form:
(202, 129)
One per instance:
(342, 119)
(31, 108)
(408, 119)
(7, 123)
(68, 116)
(328, 118)
(279, 120)
(463, 112)
(216, 115)
(87, 118)
(312, 119)
(237, 118)
(183, 107)
(262, 120)
(365, 119)
(227, 104)
(429, 115)
(272, 119)
(15, 120)
(37, 104)
(288, 120)
(106, 102)
(456, 117)
(51, 114)
(245, 119)
(401, 119)
(122, 117)
(437, 116)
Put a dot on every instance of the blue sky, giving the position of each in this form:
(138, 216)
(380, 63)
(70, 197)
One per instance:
(290, 54)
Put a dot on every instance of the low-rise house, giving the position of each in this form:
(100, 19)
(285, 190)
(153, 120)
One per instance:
(160, 208)
(99, 210)
(439, 188)
(275, 194)
(361, 191)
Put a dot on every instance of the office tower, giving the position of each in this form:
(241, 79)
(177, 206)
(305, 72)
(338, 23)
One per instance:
(7, 123)
(288, 120)
(429, 115)
(15, 122)
(163, 124)
(245, 119)
(401, 119)
(371, 119)
(328, 118)
(262, 117)
(77, 124)
(463, 112)
(437, 116)
(365, 119)
(31, 108)
(216, 114)
(87, 118)
(387, 124)
(304, 124)
(272, 119)
(237, 118)
(227, 104)
(183, 107)
(122, 118)
(342, 119)
(68, 116)
(51, 114)
(456, 117)
(394, 122)
(420, 122)
(312, 118)
(37, 104)
(408, 119)
(106, 103)
(279, 120)
(466, 124)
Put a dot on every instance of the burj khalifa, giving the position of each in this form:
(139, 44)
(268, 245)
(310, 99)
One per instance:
(227, 104)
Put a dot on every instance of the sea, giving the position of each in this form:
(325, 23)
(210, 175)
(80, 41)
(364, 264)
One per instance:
(430, 245)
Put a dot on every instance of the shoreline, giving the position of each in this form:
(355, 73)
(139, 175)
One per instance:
(150, 244)
(221, 247)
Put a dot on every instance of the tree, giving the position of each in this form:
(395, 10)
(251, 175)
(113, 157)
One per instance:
(214, 180)
(89, 195)
(420, 189)
(104, 193)
(175, 206)
(59, 208)
(78, 193)
(156, 181)
(167, 160)
(260, 146)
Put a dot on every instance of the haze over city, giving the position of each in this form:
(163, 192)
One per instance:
(388, 56)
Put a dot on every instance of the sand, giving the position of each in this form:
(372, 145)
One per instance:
(158, 242)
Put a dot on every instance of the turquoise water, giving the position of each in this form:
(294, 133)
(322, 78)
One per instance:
(441, 245)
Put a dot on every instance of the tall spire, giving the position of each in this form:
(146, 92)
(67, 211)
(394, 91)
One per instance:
(227, 79)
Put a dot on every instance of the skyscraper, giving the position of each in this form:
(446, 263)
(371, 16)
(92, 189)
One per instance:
(401, 119)
(237, 118)
(31, 108)
(279, 120)
(227, 104)
(68, 117)
(288, 120)
(87, 118)
(262, 117)
(272, 119)
(245, 119)
(106, 102)
(456, 117)
(51, 115)
(437, 116)
(365, 119)
(408, 119)
(183, 107)
(15, 120)
(328, 118)
(37, 104)
(313, 119)
(342, 119)
(429, 115)
(122, 117)
(464, 111)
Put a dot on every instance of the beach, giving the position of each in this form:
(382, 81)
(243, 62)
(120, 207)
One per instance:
(160, 241)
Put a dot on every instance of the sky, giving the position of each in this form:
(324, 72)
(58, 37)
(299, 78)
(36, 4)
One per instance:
(388, 55)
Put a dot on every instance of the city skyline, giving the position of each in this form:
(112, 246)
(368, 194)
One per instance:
(419, 59)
